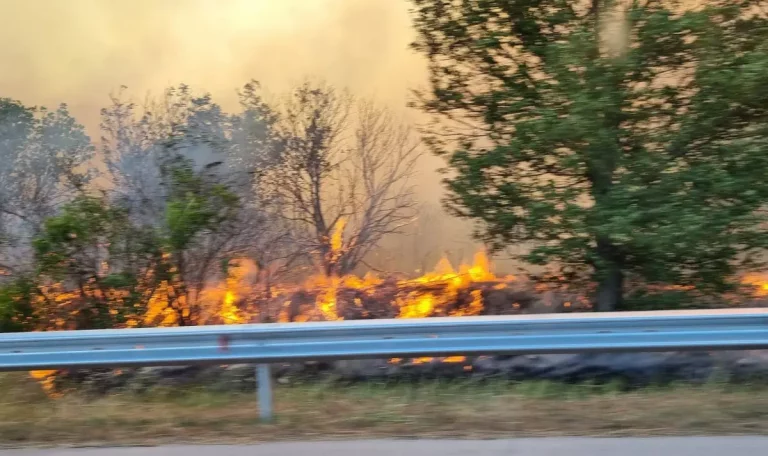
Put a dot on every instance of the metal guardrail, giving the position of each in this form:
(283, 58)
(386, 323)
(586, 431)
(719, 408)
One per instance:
(268, 343)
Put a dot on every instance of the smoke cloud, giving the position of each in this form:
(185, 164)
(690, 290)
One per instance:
(80, 51)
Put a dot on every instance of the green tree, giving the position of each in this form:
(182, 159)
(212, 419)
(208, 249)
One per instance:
(198, 205)
(187, 168)
(616, 138)
(16, 306)
(94, 268)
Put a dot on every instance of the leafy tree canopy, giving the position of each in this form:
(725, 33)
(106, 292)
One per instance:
(613, 137)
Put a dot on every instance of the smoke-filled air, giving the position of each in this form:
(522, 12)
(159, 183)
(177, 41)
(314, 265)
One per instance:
(192, 162)
(209, 183)
(91, 49)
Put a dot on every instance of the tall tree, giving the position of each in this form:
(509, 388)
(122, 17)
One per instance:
(44, 158)
(614, 137)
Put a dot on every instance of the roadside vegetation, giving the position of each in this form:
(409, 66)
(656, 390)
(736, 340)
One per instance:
(459, 409)
(623, 144)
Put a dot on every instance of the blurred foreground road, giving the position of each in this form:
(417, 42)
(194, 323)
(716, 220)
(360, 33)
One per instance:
(672, 446)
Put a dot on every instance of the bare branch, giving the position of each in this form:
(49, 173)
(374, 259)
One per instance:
(347, 165)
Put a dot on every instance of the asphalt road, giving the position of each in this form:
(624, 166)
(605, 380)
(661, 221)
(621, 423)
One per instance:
(672, 446)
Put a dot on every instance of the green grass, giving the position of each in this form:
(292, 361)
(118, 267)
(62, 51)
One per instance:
(459, 409)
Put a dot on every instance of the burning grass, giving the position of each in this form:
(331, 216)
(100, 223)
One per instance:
(428, 409)
(468, 289)
(247, 294)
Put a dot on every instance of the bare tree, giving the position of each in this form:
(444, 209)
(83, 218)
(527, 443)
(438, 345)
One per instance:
(384, 157)
(347, 167)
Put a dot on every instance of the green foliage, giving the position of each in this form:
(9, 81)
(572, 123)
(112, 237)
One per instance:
(72, 253)
(70, 240)
(660, 300)
(642, 158)
(195, 205)
(99, 262)
(16, 308)
(108, 267)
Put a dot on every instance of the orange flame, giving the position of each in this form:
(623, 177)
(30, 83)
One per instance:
(46, 379)
(337, 238)
(221, 302)
(759, 283)
(416, 301)
(420, 304)
(434, 293)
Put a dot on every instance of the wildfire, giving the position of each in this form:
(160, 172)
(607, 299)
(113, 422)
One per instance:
(238, 298)
(221, 301)
(432, 293)
(444, 291)
(159, 312)
(46, 379)
(759, 283)
(337, 240)
(420, 297)
(328, 288)
(421, 303)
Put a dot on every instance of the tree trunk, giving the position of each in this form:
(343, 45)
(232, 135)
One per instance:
(610, 277)
(610, 289)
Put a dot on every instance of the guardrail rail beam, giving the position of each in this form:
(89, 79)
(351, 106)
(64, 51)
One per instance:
(262, 344)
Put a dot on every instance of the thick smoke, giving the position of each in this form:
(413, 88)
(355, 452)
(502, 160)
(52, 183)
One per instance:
(80, 52)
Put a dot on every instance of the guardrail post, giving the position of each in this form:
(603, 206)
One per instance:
(264, 388)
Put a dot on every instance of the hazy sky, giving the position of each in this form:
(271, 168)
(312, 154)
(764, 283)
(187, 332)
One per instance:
(78, 51)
